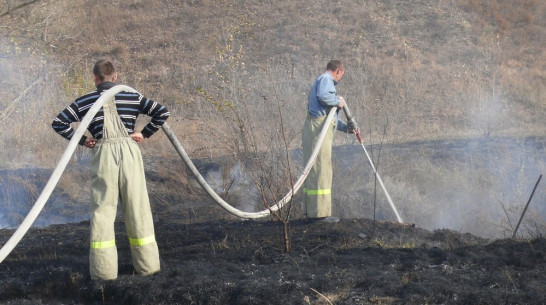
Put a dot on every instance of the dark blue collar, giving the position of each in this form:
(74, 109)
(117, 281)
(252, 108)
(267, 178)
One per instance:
(105, 86)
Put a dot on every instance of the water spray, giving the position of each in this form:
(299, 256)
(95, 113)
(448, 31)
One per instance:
(351, 124)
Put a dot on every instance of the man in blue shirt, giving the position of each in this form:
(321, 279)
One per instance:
(317, 188)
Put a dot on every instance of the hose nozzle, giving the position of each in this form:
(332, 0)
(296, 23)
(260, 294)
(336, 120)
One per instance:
(352, 127)
(358, 135)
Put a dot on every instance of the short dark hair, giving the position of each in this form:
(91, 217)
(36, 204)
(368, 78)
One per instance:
(334, 65)
(103, 68)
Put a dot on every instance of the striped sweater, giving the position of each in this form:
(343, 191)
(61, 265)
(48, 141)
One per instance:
(128, 105)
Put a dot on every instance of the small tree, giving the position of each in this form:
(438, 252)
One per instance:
(262, 148)
(254, 125)
(270, 170)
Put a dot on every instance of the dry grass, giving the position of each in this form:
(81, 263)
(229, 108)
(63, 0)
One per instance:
(420, 66)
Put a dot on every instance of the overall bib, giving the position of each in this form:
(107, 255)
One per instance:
(119, 175)
(317, 187)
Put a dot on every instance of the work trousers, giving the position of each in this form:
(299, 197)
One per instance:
(317, 188)
(119, 174)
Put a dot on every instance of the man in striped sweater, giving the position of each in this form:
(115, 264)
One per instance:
(118, 172)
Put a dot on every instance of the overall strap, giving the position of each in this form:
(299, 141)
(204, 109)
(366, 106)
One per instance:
(113, 126)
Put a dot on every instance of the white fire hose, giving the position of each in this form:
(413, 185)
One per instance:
(57, 172)
(227, 206)
(65, 158)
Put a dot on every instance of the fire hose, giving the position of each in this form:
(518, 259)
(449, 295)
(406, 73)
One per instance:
(229, 208)
(57, 172)
(73, 143)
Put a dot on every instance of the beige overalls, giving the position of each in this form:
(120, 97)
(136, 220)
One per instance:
(317, 188)
(119, 174)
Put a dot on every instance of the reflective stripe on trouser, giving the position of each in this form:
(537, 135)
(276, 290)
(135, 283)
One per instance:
(119, 174)
(317, 188)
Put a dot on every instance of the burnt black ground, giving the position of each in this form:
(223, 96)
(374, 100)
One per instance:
(210, 257)
(229, 261)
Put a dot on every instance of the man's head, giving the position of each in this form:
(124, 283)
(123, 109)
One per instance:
(104, 71)
(336, 69)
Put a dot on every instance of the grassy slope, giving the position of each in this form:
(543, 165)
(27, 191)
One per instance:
(416, 69)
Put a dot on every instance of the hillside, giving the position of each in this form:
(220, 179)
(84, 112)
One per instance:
(234, 73)
(416, 70)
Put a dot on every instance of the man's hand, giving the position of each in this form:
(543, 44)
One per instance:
(352, 127)
(137, 137)
(354, 130)
(341, 102)
(90, 142)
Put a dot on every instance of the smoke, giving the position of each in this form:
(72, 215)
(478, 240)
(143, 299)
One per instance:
(31, 97)
(488, 113)
(490, 188)
(244, 193)
(478, 186)
(491, 176)
(234, 184)
(19, 190)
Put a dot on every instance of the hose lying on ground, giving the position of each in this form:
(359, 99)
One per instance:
(69, 151)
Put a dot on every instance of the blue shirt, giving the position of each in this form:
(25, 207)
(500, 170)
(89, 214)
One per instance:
(322, 97)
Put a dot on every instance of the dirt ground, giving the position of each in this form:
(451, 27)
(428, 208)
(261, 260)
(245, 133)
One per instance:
(228, 261)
